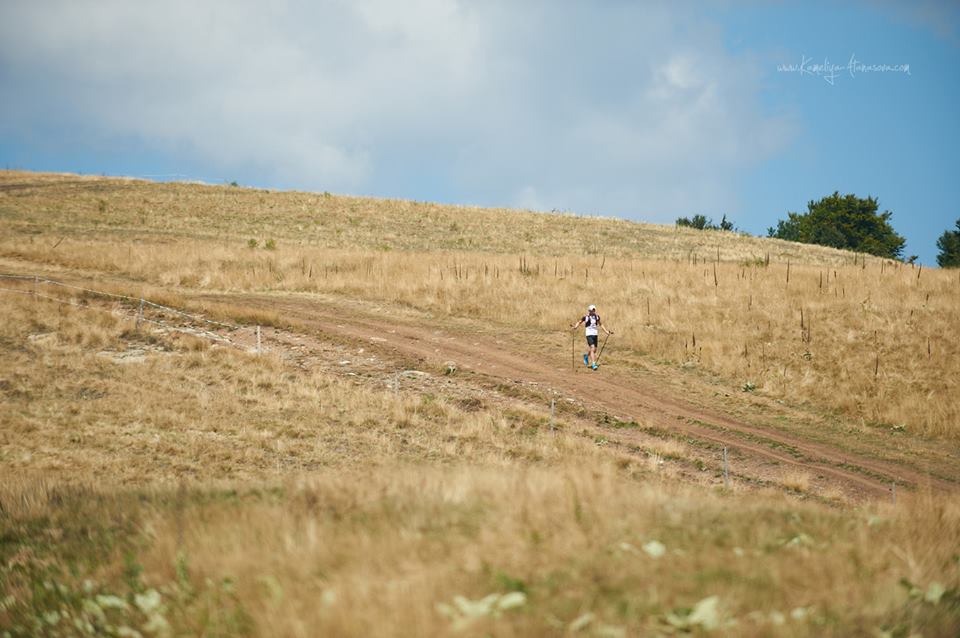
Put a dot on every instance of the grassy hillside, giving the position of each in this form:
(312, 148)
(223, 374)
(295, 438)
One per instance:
(69, 204)
(869, 340)
(208, 491)
(158, 484)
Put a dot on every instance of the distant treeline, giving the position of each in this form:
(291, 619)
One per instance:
(847, 222)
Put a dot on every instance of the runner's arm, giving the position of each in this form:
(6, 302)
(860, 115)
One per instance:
(600, 323)
(577, 325)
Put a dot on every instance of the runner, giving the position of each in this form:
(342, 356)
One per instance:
(592, 322)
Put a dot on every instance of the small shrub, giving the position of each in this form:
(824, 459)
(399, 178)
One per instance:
(702, 222)
(697, 221)
(796, 480)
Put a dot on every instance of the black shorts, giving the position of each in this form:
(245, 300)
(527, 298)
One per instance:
(591, 340)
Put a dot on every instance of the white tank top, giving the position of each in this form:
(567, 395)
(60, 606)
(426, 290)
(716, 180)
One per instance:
(591, 322)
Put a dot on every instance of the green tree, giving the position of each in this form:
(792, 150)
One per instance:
(949, 245)
(702, 222)
(843, 221)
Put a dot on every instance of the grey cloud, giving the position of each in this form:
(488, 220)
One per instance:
(603, 107)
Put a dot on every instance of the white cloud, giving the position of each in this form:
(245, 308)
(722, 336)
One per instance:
(615, 107)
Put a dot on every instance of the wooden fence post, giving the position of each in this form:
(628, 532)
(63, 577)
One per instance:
(726, 469)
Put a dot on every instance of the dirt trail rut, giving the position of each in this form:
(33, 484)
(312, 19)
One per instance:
(627, 397)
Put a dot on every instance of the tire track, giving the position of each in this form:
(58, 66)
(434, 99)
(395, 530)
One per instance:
(641, 400)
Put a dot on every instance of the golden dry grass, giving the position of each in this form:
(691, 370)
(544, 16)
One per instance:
(873, 343)
(207, 491)
(198, 490)
(870, 339)
(796, 480)
(413, 551)
(60, 205)
(86, 396)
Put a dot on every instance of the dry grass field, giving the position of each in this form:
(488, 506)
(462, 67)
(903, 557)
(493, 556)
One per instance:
(72, 205)
(160, 484)
(872, 340)
(208, 491)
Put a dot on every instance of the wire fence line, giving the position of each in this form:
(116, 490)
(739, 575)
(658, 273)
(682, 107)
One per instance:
(145, 301)
(142, 303)
(228, 326)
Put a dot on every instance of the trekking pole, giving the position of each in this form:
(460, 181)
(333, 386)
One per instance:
(573, 348)
(602, 346)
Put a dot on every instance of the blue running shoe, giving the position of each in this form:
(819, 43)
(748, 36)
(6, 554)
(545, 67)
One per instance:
(586, 359)
(595, 366)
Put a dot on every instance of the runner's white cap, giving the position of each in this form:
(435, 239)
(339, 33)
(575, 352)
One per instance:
(591, 307)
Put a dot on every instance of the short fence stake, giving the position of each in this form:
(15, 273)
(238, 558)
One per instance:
(36, 285)
(726, 470)
(258, 338)
(553, 403)
(140, 314)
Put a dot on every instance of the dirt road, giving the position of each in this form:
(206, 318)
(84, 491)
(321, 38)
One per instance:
(628, 396)
(761, 448)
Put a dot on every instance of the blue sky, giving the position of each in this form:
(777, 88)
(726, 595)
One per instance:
(641, 110)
